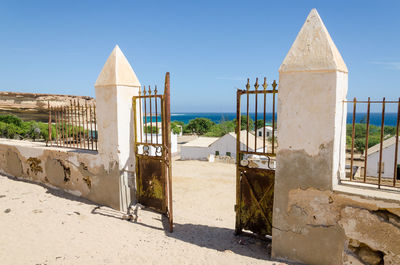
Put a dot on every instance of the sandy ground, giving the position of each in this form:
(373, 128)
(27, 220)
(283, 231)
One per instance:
(40, 225)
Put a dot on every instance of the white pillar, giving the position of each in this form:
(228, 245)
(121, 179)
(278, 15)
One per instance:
(115, 87)
(311, 136)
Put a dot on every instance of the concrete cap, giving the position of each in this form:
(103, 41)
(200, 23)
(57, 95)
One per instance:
(117, 71)
(313, 49)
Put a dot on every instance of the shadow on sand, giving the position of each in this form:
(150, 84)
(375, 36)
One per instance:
(216, 238)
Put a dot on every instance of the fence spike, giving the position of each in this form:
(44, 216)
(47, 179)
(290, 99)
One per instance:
(274, 84)
(265, 83)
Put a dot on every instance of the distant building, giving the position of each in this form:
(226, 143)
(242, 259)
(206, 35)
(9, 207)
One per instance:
(268, 131)
(388, 152)
(202, 147)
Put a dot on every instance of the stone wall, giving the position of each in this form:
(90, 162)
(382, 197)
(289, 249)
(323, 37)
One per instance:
(79, 172)
(327, 227)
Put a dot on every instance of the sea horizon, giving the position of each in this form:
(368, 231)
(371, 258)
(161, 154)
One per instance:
(218, 117)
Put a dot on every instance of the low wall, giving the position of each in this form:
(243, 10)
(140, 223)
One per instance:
(329, 227)
(79, 172)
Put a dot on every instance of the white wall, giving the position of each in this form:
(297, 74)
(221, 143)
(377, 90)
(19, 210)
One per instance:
(194, 153)
(387, 159)
(226, 143)
(268, 132)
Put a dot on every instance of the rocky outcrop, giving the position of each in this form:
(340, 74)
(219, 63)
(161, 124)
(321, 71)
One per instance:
(34, 106)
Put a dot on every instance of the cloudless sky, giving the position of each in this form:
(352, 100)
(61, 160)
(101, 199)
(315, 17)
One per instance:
(210, 47)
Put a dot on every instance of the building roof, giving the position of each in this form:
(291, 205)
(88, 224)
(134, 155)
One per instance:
(266, 128)
(385, 144)
(252, 140)
(201, 142)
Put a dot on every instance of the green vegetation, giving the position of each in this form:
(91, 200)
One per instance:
(151, 129)
(206, 127)
(220, 129)
(176, 126)
(199, 126)
(12, 127)
(360, 135)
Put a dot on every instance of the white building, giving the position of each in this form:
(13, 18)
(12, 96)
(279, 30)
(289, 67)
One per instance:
(202, 147)
(388, 153)
(268, 132)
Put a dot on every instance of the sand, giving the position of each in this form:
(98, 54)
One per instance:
(41, 225)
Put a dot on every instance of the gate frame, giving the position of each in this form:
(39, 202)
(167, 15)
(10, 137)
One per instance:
(240, 169)
(165, 157)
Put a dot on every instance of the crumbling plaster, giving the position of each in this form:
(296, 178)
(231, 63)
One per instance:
(66, 169)
(316, 220)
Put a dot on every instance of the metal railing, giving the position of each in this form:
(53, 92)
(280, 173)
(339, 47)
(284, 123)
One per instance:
(73, 126)
(372, 147)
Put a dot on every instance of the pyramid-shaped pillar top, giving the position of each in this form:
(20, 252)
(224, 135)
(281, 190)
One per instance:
(313, 49)
(117, 71)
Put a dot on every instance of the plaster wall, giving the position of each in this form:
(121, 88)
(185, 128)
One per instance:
(81, 173)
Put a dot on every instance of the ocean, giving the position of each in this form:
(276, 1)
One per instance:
(217, 117)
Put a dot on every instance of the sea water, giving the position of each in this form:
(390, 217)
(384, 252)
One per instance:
(218, 117)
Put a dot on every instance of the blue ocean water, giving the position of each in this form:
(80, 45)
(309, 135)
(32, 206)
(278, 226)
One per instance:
(217, 117)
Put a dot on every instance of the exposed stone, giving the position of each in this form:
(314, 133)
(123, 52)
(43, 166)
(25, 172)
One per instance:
(351, 259)
(371, 230)
(391, 259)
(369, 256)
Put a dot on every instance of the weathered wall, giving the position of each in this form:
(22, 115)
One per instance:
(327, 227)
(316, 220)
(81, 173)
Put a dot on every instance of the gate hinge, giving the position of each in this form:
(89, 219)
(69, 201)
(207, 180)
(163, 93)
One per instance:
(235, 208)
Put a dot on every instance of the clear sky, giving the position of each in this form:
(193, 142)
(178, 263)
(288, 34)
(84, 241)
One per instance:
(210, 47)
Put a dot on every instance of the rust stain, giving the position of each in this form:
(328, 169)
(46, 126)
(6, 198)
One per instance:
(34, 165)
(88, 181)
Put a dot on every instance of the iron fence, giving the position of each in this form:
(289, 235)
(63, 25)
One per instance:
(73, 126)
(372, 147)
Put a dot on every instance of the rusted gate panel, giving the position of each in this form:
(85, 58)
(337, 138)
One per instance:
(151, 184)
(255, 174)
(153, 144)
(257, 188)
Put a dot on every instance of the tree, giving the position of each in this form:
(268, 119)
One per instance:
(221, 129)
(260, 124)
(200, 125)
(243, 123)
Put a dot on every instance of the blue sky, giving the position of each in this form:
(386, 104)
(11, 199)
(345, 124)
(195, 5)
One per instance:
(210, 47)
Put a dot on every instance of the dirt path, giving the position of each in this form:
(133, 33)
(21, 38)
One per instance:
(39, 225)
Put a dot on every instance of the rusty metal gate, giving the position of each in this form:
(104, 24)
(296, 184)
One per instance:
(152, 122)
(255, 156)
